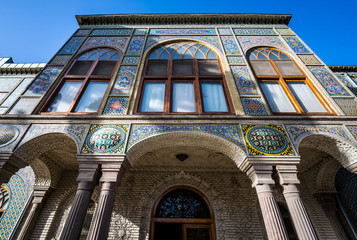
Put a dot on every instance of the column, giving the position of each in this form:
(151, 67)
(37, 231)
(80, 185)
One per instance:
(88, 179)
(9, 165)
(261, 177)
(111, 175)
(287, 177)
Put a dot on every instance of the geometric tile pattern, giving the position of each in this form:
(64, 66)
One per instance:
(243, 80)
(140, 31)
(115, 42)
(267, 140)
(295, 44)
(124, 80)
(82, 32)
(115, 106)
(353, 130)
(72, 45)
(253, 106)
(17, 92)
(170, 31)
(284, 31)
(254, 31)
(230, 45)
(235, 60)
(8, 143)
(229, 132)
(252, 41)
(110, 32)
(309, 59)
(344, 79)
(60, 60)
(136, 45)
(43, 81)
(224, 31)
(298, 132)
(328, 81)
(131, 60)
(105, 139)
(24, 106)
(348, 106)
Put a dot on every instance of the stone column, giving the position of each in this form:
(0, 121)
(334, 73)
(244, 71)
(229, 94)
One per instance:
(261, 177)
(9, 165)
(88, 179)
(111, 175)
(287, 177)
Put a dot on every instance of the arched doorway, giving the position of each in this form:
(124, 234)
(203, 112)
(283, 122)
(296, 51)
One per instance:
(182, 213)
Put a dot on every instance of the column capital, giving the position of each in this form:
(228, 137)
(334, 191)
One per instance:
(88, 172)
(286, 174)
(114, 171)
(260, 174)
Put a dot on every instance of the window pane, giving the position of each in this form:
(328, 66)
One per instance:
(80, 68)
(64, 97)
(276, 97)
(263, 68)
(104, 68)
(306, 98)
(213, 97)
(182, 67)
(154, 97)
(92, 97)
(209, 67)
(288, 68)
(183, 97)
(156, 68)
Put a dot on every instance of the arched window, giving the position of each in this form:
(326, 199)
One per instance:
(85, 83)
(4, 199)
(183, 77)
(182, 214)
(285, 86)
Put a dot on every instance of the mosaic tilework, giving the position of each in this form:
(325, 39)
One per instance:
(298, 132)
(124, 80)
(267, 140)
(284, 31)
(254, 31)
(77, 131)
(24, 106)
(228, 132)
(82, 32)
(60, 60)
(136, 45)
(115, 42)
(140, 31)
(131, 60)
(116, 106)
(348, 84)
(253, 106)
(105, 139)
(296, 45)
(17, 92)
(348, 106)
(224, 31)
(28, 176)
(110, 32)
(7, 83)
(72, 45)
(235, 60)
(253, 41)
(243, 80)
(230, 45)
(309, 59)
(10, 135)
(43, 81)
(346, 186)
(328, 81)
(169, 31)
(353, 130)
(208, 39)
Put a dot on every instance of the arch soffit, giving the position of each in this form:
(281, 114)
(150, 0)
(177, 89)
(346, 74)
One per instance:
(186, 138)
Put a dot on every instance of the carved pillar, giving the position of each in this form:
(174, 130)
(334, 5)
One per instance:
(88, 179)
(261, 177)
(9, 165)
(287, 177)
(111, 175)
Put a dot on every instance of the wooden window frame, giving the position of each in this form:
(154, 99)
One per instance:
(86, 79)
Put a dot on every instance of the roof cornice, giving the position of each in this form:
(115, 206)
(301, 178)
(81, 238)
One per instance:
(343, 68)
(173, 19)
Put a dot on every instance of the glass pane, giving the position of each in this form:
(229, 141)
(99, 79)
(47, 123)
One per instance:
(276, 97)
(306, 98)
(213, 97)
(182, 67)
(263, 68)
(64, 97)
(198, 234)
(80, 68)
(156, 68)
(92, 97)
(288, 68)
(183, 97)
(104, 68)
(154, 97)
(209, 67)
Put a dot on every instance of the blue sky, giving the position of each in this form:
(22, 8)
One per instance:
(33, 31)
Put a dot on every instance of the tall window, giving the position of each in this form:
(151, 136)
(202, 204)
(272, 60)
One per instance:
(183, 77)
(285, 86)
(4, 199)
(85, 83)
